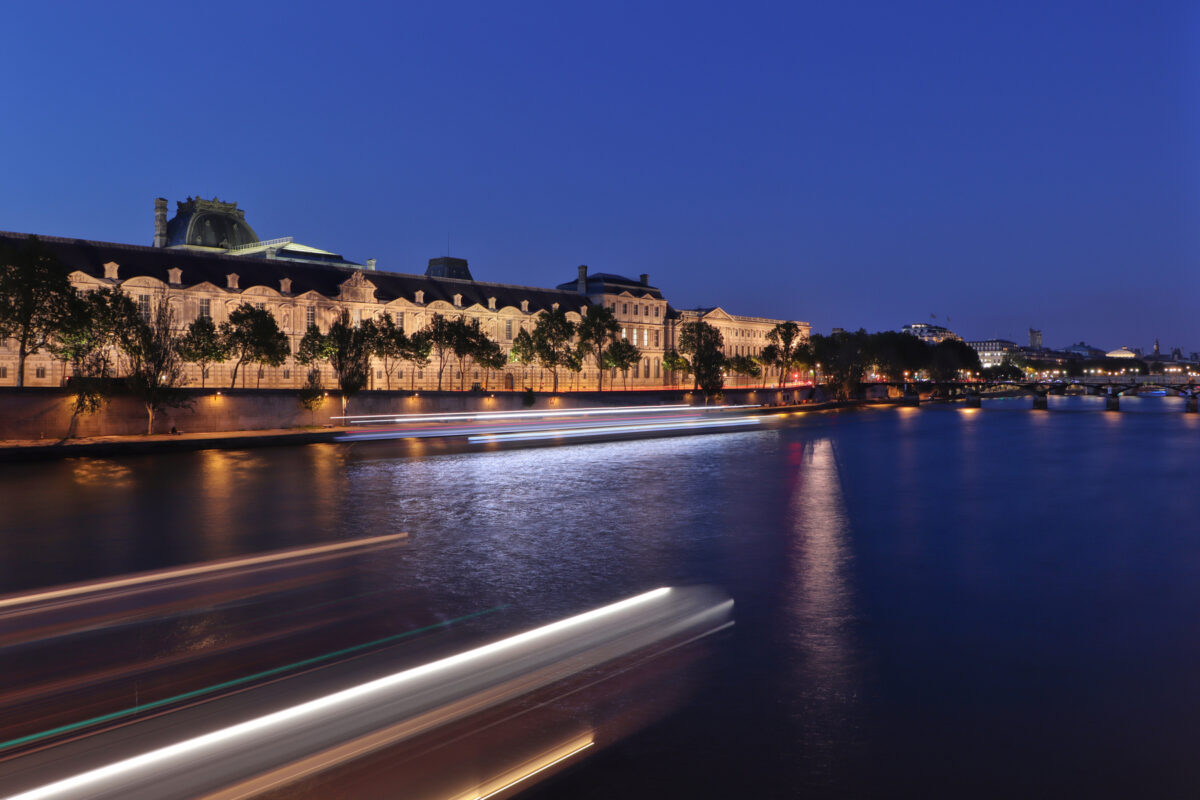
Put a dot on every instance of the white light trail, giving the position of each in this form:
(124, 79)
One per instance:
(487, 416)
(176, 753)
(572, 433)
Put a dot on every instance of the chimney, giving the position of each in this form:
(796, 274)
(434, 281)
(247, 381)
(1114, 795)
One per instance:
(581, 285)
(370, 263)
(645, 279)
(160, 222)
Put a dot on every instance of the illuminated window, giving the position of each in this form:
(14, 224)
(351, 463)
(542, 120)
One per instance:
(143, 305)
(260, 306)
(508, 329)
(623, 336)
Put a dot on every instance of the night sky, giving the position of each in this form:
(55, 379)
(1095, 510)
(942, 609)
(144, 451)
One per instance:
(851, 164)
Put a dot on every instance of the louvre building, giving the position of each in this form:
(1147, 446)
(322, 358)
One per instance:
(209, 260)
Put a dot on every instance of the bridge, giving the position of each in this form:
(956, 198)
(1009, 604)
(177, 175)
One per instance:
(1111, 388)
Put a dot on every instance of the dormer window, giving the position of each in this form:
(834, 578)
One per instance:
(110, 270)
(525, 306)
(458, 300)
(174, 276)
(492, 303)
(420, 295)
(555, 306)
(285, 285)
(231, 280)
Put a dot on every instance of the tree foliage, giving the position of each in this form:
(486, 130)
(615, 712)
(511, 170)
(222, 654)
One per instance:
(390, 346)
(35, 297)
(622, 355)
(786, 339)
(703, 344)
(155, 371)
(202, 344)
(552, 341)
(598, 330)
(252, 336)
(523, 352)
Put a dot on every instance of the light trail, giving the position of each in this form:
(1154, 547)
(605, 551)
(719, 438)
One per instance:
(571, 433)
(488, 416)
(195, 693)
(198, 569)
(144, 766)
(557, 759)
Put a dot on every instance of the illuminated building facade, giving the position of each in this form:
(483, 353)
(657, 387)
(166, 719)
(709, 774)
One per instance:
(208, 261)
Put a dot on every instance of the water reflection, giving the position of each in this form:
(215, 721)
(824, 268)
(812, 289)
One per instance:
(821, 611)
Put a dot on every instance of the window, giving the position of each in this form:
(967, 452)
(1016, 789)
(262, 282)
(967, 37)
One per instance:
(206, 308)
(143, 305)
(3, 372)
(40, 372)
(378, 373)
(656, 338)
(624, 308)
(645, 311)
(508, 329)
(287, 373)
(635, 308)
(623, 334)
(260, 306)
(310, 316)
(635, 369)
(358, 316)
(656, 311)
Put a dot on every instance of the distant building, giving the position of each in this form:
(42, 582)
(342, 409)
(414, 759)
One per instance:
(1084, 350)
(1035, 339)
(992, 352)
(930, 334)
(1121, 352)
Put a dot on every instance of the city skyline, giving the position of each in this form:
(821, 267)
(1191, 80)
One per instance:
(1006, 167)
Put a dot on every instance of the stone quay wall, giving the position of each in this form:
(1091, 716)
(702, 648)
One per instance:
(46, 413)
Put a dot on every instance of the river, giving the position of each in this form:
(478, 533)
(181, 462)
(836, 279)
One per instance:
(934, 601)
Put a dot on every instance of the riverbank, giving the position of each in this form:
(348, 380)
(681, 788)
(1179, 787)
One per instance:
(126, 445)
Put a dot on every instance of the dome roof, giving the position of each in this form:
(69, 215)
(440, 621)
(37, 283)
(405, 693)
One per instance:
(209, 223)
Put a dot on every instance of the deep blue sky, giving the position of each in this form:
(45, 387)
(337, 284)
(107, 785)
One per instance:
(851, 164)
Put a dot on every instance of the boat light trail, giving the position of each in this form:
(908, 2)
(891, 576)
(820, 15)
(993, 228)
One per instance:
(650, 427)
(144, 766)
(489, 416)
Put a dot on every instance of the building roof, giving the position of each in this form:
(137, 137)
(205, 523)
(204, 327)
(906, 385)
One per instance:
(608, 283)
(198, 267)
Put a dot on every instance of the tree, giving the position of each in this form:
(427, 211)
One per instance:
(466, 341)
(895, 354)
(574, 361)
(156, 369)
(842, 357)
(252, 336)
(743, 365)
(440, 333)
(202, 344)
(417, 354)
(312, 393)
(86, 338)
(390, 345)
(704, 344)
(673, 362)
(622, 355)
(597, 331)
(35, 296)
(552, 341)
(785, 336)
(951, 357)
(490, 356)
(523, 352)
(349, 347)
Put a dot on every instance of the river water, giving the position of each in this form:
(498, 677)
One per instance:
(935, 601)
